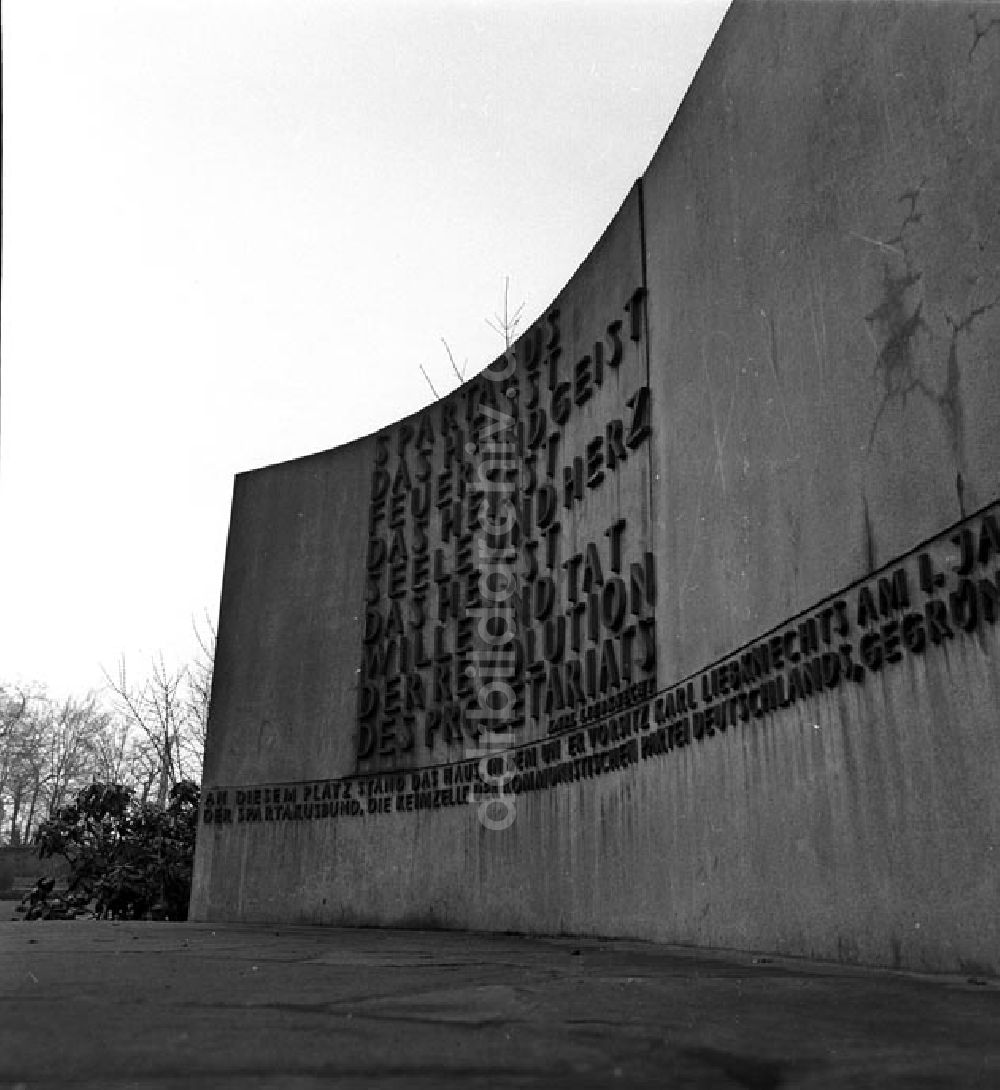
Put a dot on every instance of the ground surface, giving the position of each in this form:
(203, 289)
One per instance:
(97, 1004)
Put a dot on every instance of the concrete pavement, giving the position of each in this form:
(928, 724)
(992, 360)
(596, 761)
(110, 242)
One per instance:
(101, 1004)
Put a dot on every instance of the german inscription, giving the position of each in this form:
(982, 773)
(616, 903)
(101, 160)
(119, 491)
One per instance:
(943, 595)
(491, 590)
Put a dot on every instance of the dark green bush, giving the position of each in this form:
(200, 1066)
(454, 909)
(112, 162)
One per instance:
(130, 860)
(42, 902)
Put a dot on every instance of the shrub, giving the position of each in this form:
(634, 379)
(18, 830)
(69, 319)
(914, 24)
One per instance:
(132, 860)
(43, 903)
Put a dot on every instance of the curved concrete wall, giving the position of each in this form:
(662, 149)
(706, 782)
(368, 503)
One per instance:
(753, 587)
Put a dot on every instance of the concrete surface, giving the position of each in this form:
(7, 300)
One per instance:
(820, 221)
(197, 1005)
(819, 243)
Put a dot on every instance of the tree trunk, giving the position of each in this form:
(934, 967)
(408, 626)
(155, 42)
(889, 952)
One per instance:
(31, 810)
(161, 787)
(15, 810)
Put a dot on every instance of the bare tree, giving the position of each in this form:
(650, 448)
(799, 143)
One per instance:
(199, 690)
(504, 323)
(459, 372)
(165, 716)
(14, 730)
(157, 708)
(70, 734)
(115, 758)
(423, 371)
(151, 736)
(47, 749)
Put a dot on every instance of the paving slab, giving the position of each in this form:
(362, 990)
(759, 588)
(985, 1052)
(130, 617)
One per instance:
(104, 1004)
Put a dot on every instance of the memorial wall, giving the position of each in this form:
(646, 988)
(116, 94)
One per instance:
(680, 621)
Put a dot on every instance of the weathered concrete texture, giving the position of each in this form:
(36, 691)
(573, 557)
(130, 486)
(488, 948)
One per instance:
(818, 240)
(293, 618)
(89, 1004)
(290, 644)
(823, 262)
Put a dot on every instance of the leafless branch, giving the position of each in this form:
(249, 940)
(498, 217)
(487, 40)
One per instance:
(429, 383)
(451, 359)
(507, 323)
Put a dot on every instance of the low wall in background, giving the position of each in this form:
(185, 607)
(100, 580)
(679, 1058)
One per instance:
(22, 866)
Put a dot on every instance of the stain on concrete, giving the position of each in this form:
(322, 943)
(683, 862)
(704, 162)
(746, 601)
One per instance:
(950, 399)
(747, 1071)
(898, 320)
(870, 554)
(980, 31)
(897, 324)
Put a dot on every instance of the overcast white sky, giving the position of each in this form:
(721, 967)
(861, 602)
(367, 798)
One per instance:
(234, 229)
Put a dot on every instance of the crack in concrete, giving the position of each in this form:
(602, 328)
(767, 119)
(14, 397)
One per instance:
(980, 32)
(900, 325)
(966, 322)
(949, 400)
(899, 321)
(912, 217)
